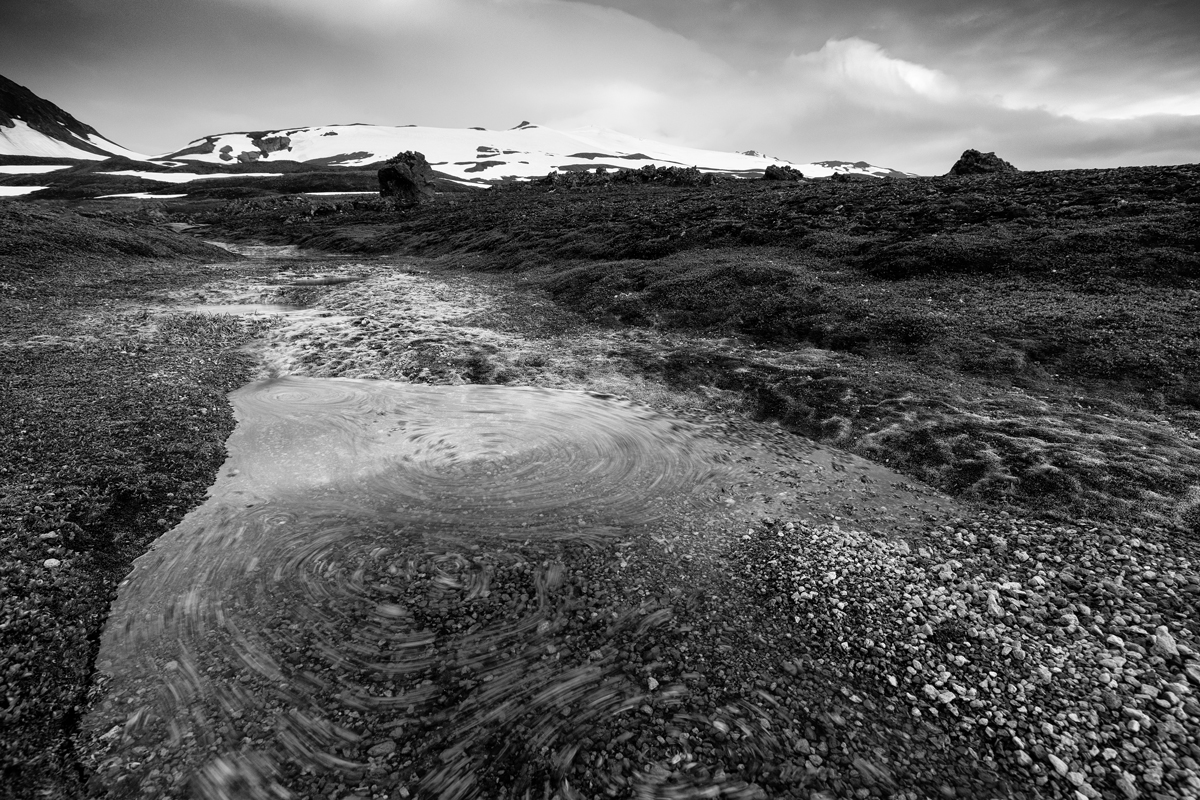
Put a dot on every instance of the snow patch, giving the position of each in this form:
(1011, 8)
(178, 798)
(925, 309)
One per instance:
(16, 191)
(30, 169)
(186, 177)
(22, 140)
(142, 196)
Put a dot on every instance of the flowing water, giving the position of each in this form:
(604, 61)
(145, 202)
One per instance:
(385, 565)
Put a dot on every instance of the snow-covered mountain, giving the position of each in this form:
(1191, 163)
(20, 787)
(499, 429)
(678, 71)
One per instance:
(853, 168)
(479, 155)
(32, 126)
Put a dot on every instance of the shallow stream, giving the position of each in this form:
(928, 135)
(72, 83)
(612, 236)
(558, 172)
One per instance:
(376, 555)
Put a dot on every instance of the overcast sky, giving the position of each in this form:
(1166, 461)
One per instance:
(907, 84)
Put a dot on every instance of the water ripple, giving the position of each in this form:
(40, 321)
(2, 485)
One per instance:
(402, 583)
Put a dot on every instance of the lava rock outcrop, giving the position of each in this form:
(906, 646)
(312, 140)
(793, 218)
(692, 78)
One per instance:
(774, 172)
(407, 178)
(973, 162)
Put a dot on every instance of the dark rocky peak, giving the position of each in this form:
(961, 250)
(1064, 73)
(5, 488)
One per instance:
(17, 102)
(973, 162)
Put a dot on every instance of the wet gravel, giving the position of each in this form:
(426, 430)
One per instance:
(1021, 659)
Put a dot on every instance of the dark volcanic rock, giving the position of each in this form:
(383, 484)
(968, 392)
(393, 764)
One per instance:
(406, 177)
(273, 144)
(774, 172)
(973, 162)
(650, 174)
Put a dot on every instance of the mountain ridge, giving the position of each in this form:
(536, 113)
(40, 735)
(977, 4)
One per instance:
(481, 155)
(32, 127)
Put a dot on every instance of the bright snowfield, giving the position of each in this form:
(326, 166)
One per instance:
(30, 169)
(17, 191)
(187, 177)
(142, 196)
(22, 140)
(473, 154)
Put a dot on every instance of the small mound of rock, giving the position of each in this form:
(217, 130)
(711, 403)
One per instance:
(774, 172)
(407, 178)
(973, 162)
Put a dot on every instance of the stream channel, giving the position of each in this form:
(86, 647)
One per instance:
(397, 582)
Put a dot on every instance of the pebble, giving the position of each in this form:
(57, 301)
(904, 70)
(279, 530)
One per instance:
(1193, 672)
(51, 563)
(382, 749)
(1059, 765)
(1125, 784)
(1164, 643)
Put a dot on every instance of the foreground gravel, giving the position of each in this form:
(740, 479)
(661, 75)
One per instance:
(1026, 658)
(810, 661)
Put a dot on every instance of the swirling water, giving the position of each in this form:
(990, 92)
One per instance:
(375, 555)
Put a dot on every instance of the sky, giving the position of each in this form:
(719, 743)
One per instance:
(907, 84)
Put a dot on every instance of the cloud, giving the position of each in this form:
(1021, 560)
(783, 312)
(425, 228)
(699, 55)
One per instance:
(908, 84)
(861, 67)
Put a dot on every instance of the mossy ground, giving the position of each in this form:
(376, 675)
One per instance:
(1027, 339)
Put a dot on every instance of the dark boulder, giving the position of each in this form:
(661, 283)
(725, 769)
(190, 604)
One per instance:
(407, 178)
(974, 162)
(774, 172)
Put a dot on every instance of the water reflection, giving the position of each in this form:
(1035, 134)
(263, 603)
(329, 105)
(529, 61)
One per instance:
(412, 586)
(365, 541)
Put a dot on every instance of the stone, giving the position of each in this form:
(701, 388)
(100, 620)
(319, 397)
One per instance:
(1192, 670)
(1164, 643)
(407, 178)
(51, 563)
(774, 172)
(1125, 784)
(1059, 765)
(993, 603)
(973, 162)
(384, 748)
